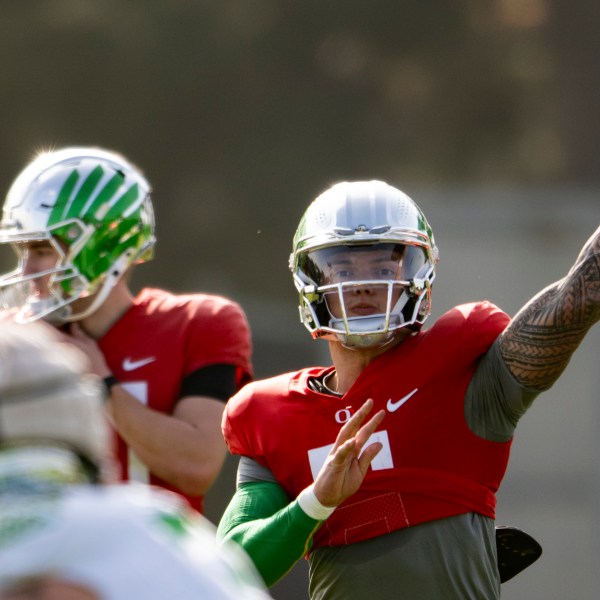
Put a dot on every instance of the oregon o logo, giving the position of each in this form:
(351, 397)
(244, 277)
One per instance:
(341, 416)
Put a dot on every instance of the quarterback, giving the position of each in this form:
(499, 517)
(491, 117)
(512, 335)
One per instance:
(383, 468)
(79, 219)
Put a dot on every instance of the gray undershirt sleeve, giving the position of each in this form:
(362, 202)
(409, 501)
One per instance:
(495, 400)
(249, 471)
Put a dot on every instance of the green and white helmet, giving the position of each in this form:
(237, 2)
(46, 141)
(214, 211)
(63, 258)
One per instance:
(94, 208)
(52, 421)
(363, 217)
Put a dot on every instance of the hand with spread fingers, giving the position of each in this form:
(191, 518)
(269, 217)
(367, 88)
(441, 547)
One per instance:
(347, 464)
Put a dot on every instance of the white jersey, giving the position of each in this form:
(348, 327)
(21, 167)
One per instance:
(121, 541)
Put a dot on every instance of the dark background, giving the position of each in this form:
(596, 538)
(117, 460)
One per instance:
(241, 111)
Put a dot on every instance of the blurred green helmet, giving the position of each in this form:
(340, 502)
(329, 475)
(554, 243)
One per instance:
(363, 262)
(93, 207)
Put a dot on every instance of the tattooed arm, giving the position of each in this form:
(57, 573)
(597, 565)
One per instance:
(539, 342)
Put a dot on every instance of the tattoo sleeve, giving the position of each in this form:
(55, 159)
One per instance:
(540, 340)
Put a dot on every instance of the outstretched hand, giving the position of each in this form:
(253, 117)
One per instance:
(345, 468)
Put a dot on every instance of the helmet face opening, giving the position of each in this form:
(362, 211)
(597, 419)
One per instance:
(363, 264)
(93, 209)
(44, 284)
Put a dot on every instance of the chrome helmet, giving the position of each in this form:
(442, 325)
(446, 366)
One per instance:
(93, 208)
(52, 421)
(363, 262)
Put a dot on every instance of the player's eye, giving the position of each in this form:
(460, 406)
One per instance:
(342, 274)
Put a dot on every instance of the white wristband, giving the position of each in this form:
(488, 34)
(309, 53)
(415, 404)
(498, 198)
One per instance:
(311, 506)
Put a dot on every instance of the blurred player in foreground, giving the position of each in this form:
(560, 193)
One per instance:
(63, 534)
(384, 467)
(79, 220)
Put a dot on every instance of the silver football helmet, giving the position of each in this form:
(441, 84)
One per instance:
(363, 262)
(92, 209)
(52, 418)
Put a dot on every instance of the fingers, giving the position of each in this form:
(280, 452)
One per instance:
(350, 452)
(353, 424)
(347, 463)
(353, 445)
(366, 458)
(364, 433)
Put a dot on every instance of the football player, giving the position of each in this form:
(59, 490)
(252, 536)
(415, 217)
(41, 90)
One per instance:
(64, 534)
(383, 468)
(80, 219)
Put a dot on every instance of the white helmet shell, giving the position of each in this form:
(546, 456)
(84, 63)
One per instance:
(46, 397)
(93, 207)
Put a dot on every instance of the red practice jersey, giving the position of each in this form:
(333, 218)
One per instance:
(431, 465)
(163, 338)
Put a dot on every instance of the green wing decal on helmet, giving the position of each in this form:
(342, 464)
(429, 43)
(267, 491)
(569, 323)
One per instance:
(84, 193)
(76, 209)
(62, 200)
(112, 223)
(94, 208)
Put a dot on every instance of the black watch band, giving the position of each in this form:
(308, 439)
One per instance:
(109, 381)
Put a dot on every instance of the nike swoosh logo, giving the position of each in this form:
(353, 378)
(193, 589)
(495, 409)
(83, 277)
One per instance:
(394, 406)
(131, 365)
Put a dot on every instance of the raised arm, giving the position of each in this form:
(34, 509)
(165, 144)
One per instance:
(540, 340)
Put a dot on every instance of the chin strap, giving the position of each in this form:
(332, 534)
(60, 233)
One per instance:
(112, 277)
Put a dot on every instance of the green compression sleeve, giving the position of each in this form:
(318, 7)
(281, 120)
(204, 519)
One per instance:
(274, 532)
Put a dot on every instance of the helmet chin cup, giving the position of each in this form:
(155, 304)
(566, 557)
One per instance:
(47, 309)
(366, 341)
(365, 332)
(374, 324)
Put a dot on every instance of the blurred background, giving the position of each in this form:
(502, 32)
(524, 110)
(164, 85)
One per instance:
(241, 111)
